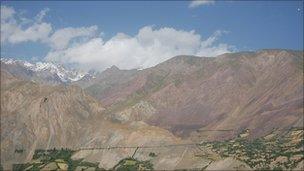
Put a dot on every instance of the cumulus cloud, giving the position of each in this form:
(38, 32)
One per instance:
(36, 32)
(13, 29)
(147, 48)
(62, 37)
(85, 47)
(197, 3)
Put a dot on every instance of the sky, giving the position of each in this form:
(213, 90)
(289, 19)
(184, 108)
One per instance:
(141, 34)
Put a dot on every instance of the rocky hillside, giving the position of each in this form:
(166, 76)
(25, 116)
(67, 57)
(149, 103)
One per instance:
(194, 98)
(260, 90)
(105, 80)
(35, 116)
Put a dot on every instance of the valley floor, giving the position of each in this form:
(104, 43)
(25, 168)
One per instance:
(271, 152)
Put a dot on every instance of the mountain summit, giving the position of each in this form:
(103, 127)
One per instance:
(43, 72)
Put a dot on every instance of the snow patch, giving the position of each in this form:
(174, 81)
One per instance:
(64, 74)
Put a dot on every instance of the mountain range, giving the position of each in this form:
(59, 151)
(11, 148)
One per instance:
(187, 94)
(43, 72)
(186, 99)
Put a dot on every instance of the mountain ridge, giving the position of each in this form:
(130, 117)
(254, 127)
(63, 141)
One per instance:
(42, 71)
(184, 99)
(36, 116)
(182, 81)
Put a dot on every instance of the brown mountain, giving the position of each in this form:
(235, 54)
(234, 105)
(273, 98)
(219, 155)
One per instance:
(260, 91)
(37, 116)
(105, 80)
(187, 95)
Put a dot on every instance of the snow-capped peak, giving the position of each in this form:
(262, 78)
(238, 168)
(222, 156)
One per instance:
(64, 74)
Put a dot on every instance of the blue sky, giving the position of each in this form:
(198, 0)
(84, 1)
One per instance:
(238, 25)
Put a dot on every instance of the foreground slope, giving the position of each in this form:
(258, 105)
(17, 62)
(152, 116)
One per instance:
(37, 116)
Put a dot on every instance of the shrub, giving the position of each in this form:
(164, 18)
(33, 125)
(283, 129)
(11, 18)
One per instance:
(152, 154)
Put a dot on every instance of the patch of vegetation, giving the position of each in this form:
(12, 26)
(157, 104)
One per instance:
(19, 150)
(53, 154)
(73, 164)
(277, 153)
(131, 164)
(56, 157)
(42, 157)
(152, 154)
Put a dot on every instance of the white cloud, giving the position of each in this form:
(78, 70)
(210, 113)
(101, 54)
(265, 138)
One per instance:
(85, 47)
(7, 12)
(62, 37)
(197, 3)
(42, 14)
(13, 29)
(36, 32)
(149, 47)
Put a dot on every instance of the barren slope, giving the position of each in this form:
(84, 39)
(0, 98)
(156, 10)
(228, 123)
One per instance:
(257, 90)
(37, 116)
